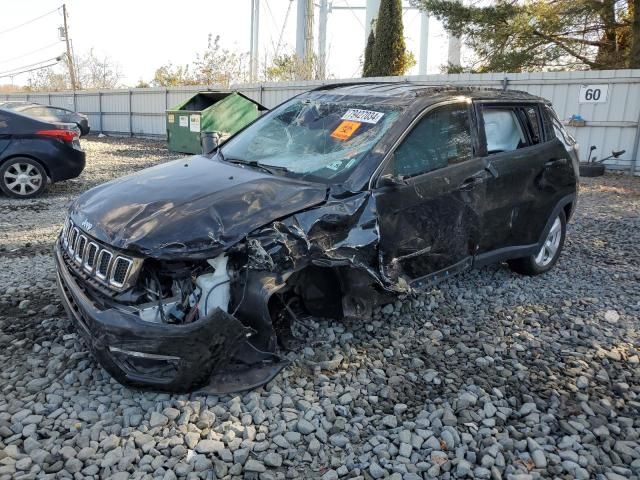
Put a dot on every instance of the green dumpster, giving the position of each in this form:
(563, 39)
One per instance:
(211, 111)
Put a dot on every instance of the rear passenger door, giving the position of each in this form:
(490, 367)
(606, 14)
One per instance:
(518, 199)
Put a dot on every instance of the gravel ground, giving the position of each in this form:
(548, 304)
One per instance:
(489, 375)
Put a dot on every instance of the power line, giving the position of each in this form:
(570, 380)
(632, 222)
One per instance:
(7, 60)
(284, 25)
(29, 21)
(14, 74)
(10, 72)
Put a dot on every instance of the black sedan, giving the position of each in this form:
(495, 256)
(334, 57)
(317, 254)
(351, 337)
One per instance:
(34, 151)
(50, 114)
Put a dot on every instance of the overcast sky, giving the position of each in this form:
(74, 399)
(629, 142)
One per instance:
(141, 35)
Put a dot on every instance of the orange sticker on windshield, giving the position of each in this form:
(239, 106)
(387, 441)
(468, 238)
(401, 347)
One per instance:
(345, 130)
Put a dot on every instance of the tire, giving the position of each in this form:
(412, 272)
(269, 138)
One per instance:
(591, 169)
(22, 177)
(548, 255)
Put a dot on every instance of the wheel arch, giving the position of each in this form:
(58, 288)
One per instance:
(30, 157)
(564, 205)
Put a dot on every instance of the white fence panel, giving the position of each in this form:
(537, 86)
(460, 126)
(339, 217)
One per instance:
(613, 124)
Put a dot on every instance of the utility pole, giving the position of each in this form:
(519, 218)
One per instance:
(308, 40)
(304, 37)
(424, 43)
(255, 32)
(322, 39)
(72, 72)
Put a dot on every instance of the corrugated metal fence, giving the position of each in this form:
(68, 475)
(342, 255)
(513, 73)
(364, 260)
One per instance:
(611, 114)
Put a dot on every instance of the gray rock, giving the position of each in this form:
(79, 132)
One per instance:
(209, 446)
(376, 471)
(253, 465)
(305, 427)
(273, 460)
(158, 420)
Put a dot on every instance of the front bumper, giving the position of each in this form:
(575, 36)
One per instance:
(139, 353)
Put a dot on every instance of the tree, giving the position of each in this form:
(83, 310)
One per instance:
(220, 66)
(389, 52)
(215, 66)
(92, 72)
(367, 67)
(95, 71)
(287, 67)
(515, 36)
(170, 75)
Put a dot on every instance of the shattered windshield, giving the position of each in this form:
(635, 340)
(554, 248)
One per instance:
(318, 138)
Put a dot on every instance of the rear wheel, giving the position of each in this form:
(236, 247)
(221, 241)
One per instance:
(545, 259)
(22, 177)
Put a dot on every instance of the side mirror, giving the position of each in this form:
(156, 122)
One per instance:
(209, 142)
(390, 180)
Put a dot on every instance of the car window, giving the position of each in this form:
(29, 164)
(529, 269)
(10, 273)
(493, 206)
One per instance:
(36, 111)
(533, 119)
(53, 112)
(503, 130)
(441, 138)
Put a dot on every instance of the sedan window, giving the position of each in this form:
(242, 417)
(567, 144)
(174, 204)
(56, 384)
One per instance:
(441, 138)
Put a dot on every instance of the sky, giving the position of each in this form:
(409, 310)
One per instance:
(142, 35)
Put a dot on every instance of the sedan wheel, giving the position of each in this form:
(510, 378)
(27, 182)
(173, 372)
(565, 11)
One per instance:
(22, 178)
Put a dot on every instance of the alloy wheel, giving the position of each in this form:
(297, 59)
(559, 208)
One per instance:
(22, 178)
(551, 244)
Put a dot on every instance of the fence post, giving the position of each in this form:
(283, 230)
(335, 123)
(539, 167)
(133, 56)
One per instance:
(49, 95)
(100, 110)
(130, 116)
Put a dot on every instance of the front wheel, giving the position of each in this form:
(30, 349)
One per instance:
(545, 259)
(22, 177)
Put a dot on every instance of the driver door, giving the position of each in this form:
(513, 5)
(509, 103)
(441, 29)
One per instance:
(430, 198)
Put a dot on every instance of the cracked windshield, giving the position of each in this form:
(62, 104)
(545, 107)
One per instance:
(316, 138)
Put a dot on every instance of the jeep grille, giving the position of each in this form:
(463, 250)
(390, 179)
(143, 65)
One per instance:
(98, 261)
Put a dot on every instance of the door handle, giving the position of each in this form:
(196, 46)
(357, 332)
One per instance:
(555, 161)
(470, 183)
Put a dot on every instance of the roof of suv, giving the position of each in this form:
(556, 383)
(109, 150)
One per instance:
(411, 90)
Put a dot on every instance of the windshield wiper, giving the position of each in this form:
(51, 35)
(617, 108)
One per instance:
(271, 169)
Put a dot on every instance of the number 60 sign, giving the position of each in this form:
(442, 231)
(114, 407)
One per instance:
(593, 93)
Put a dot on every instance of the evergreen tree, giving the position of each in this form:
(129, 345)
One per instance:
(390, 52)
(534, 35)
(367, 68)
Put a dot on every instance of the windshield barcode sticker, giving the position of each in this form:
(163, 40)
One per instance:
(366, 116)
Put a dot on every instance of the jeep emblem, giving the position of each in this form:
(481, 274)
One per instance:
(86, 225)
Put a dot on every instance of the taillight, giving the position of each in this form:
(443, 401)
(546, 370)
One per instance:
(64, 135)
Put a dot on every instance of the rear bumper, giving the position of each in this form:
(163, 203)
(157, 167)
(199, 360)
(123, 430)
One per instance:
(138, 353)
(67, 163)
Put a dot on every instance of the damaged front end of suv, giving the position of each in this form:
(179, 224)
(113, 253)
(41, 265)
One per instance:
(191, 274)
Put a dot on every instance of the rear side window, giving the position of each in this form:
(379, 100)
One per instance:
(441, 138)
(503, 131)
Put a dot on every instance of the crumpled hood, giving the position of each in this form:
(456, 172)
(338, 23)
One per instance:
(189, 207)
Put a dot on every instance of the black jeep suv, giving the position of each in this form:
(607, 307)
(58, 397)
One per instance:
(194, 271)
